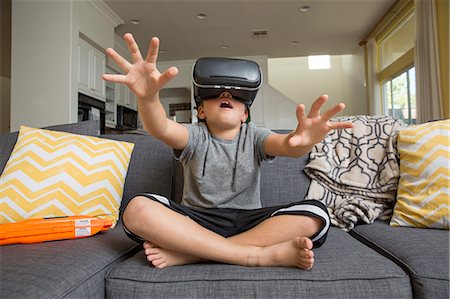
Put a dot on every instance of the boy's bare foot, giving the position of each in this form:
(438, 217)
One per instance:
(162, 258)
(293, 253)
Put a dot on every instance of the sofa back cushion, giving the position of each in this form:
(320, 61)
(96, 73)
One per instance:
(150, 168)
(284, 181)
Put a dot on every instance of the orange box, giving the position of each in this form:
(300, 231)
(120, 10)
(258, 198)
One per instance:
(50, 229)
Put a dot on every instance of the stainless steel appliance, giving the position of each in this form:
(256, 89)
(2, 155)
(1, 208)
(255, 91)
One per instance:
(91, 109)
(127, 119)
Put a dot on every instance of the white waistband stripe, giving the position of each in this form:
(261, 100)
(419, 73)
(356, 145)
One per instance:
(161, 199)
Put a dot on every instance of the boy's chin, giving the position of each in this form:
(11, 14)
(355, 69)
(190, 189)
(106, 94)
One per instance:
(227, 123)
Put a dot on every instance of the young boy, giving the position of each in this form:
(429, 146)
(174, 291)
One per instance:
(220, 218)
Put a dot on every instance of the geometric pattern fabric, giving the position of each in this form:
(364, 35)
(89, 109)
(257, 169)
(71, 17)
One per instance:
(355, 171)
(424, 189)
(51, 174)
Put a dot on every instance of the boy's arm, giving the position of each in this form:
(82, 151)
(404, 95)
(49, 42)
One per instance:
(311, 129)
(145, 81)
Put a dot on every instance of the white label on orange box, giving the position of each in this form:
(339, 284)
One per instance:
(82, 231)
(83, 222)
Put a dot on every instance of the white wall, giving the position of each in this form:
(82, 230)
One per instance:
(40, 63)
(44, 58)
(279, 111)
(343, 82)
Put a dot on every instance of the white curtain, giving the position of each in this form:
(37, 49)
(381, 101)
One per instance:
(373, 87)
(426, 60)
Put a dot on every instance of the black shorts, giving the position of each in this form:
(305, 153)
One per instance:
(229, 222)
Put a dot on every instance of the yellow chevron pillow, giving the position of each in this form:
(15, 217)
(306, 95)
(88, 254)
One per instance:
(424, 188)
(53, 173)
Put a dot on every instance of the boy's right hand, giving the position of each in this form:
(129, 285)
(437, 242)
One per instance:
(141, 76)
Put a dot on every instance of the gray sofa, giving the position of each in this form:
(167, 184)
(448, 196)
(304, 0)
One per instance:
(372, 261)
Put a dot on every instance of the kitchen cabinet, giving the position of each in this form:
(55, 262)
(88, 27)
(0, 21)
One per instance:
(91, 67)
(126, 97)
(110, 105)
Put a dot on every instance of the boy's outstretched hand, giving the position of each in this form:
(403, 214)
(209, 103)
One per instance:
(313, 128)
(141, 76)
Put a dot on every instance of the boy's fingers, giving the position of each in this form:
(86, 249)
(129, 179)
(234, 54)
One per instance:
(117, 78)
(330, 113)
(168, 75)
(133, 47)
(300, 112)
(341, 125)
(152, 54)
(122, 62)
(315, 107)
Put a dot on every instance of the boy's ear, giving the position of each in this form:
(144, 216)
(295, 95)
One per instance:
(244, 116)
(200, 112)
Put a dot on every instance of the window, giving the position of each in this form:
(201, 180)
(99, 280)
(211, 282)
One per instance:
(319, 62)
(396, 72)
(398, 42)
(400, 96)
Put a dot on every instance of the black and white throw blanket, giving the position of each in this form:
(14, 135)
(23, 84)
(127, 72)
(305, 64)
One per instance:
(355, 171)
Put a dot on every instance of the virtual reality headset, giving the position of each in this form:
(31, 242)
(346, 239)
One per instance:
(213, 75)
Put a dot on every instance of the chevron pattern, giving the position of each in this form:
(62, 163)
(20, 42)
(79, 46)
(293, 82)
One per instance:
(53, 173)
(423, 196)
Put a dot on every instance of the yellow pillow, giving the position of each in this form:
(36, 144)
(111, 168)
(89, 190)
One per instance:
(52, 174)
(424, 188)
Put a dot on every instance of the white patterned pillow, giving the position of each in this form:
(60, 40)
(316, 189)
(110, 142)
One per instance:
(424, 189)
(52, 174)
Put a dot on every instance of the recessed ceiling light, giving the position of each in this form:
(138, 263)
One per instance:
(225, 47)
(201, 16)
(135, 22)
(304, 8)
(295, 42)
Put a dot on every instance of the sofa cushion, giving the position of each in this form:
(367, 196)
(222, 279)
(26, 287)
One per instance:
(150, 168)
(424, 187)
(52, 174)
(69, 269)
(7, 140)
(284, 181)
(423, 253)
(344, 268)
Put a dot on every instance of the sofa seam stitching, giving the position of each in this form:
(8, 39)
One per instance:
(386, 253)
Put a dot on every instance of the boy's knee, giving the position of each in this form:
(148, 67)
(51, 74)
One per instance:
(133, 211)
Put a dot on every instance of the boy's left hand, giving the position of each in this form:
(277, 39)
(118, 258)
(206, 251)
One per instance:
(313, 128)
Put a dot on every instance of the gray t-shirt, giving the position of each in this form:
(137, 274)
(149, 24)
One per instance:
(223, 173)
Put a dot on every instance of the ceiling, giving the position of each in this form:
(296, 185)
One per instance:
(332, 27)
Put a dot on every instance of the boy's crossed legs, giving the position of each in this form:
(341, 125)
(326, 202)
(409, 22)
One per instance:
(174, 239)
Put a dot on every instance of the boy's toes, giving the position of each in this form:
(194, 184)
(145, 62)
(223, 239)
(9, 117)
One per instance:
(304, 242)
(306, 264)
(148, 244)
